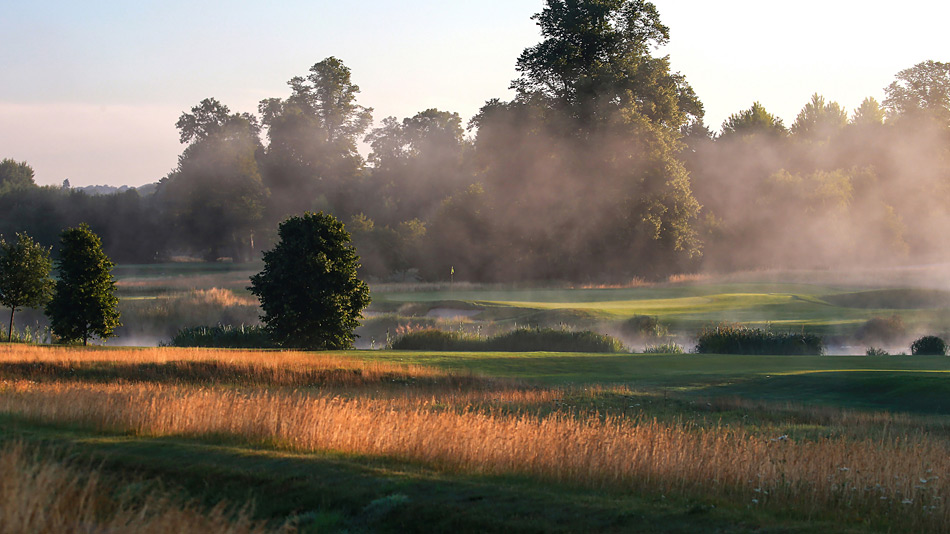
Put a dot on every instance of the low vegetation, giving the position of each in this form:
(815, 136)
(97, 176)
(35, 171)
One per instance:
(223, 336)
(519, 340)
(928, 346)
(752, 457)
(738, 339)
(45, 495)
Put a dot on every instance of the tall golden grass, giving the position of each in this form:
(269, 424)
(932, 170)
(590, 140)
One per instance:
(897, 477)
(43, 496)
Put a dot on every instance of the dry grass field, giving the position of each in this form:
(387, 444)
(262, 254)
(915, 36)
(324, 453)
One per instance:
(463, 425)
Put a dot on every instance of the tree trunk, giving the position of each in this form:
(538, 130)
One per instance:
(10, 332)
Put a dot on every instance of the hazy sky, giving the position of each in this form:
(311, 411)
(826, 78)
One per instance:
(91, 90)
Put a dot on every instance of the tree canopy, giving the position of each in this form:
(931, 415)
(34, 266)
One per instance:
(84, 303)
(309, 289)
(24, 275)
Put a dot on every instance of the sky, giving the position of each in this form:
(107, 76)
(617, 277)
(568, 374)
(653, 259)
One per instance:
(91, 91)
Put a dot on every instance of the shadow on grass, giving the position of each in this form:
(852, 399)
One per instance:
(921, 393)
(336, 492)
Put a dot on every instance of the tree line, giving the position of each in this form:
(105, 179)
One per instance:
(600, 168)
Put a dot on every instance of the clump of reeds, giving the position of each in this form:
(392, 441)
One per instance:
(738, 339)
(518, 340)
(36, 334)
(223, 336)
(669, 347)
(45, 496)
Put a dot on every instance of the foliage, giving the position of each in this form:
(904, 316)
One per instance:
(518, 340)
(223, 336)
(921, 91)
(928, 346)
(874, 351)
(819, 120)
(216, 196)
(309, 289)
(84, 302)
(753, 121)
(738, 339)
(15, 175)
(664, 348)
(24, 275)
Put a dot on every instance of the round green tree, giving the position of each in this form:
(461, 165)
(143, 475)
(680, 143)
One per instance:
(84, 302)
(24, 275)
(309, 291)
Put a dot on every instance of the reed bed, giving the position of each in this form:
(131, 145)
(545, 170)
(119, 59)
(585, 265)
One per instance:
(898, 479)
(44, 496)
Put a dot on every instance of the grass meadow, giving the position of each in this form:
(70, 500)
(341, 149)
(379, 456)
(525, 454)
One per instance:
(402, 441)
(118, 438)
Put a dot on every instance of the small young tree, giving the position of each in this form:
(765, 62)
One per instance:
(24, 275)
(84, 302)
(309, 291)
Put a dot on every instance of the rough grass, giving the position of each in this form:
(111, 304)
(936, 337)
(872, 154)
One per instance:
(43, 495)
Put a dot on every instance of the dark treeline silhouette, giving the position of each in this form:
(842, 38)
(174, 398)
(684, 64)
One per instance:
(599, 169)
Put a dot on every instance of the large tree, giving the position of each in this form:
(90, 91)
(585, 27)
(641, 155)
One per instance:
(312, 157)
(216, 197)
(309, 289)
(15, 174)
(84, 303)
(921, 91)
(24, 275)
(581, 169)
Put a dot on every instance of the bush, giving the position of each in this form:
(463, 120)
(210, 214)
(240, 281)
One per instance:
(664, 348)
(223, 336)
(929, 346)
(552, 340)
(738, 339)
(520, 340)
(873, 351)
(434, 339)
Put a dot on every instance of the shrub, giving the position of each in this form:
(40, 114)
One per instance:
(873, 351)
(664, 348)
(520, 340)
(928, 346)
(739, 339)
(434, 339)
(223, 336)
(553, 340)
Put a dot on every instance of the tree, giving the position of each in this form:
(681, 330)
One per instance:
(313, 136)
(819, 120)
(922, 90)
(596, 119)
(24, 275)
(869, 113)
(15, 174)
(216, 195)
(309, 290)
(84, 302)
(753, 121)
